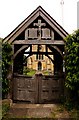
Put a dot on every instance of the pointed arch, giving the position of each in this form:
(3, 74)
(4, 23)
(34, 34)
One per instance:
(39, 65)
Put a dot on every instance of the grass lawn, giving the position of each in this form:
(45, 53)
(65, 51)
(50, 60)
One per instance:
(45, 72)
(31, 72)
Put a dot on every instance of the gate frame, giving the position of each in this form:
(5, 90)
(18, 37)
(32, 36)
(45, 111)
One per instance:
(52, 44)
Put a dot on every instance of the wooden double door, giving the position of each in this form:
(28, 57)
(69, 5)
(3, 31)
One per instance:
(37, 89)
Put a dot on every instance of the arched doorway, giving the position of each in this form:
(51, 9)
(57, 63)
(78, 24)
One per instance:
(39, 66)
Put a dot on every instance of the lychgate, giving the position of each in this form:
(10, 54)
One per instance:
(37, 43)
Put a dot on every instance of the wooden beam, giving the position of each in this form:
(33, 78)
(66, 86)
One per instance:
(43, 42)
(23, 47)
(34, 52)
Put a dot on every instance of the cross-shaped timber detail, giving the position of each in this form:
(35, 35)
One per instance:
(39, 24)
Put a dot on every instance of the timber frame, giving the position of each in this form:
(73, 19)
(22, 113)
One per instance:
(39, 28)
(38, 12)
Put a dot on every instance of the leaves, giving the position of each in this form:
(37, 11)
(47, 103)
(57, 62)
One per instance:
(6, 62)
(72, 62)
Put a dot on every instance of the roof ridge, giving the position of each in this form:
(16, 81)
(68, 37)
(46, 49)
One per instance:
(40, 10)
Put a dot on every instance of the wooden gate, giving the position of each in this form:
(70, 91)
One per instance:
(38, 89)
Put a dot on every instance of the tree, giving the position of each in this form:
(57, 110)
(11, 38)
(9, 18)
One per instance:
(72, 65)
(6, 62)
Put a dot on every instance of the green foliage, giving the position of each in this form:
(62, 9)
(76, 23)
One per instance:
(5, 108)
(31, 72)
(68, 105)
(6, 62)
(28, 71)
(46, 72)
(72, 65)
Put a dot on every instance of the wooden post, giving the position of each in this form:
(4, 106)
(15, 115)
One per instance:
(38, 87)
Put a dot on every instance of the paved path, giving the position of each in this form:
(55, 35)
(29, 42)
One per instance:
(33, 111)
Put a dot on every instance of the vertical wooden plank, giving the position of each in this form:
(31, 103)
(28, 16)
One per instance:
(40, 88)
(36, 89)
(15, 89)
(50, 90)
